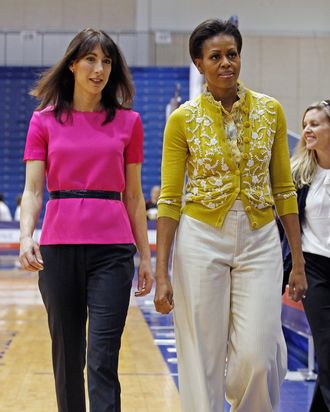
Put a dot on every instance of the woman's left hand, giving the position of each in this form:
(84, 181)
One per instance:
(145, 278)
(297, 284)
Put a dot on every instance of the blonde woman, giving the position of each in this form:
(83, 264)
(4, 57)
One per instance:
(311, 174)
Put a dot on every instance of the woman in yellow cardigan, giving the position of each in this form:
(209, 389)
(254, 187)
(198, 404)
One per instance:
(231, 144)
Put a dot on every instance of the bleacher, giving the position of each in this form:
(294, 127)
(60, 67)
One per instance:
(154, 88)
(15, 110)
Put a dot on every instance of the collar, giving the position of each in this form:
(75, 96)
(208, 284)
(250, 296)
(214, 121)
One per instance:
(241, 94)
(242, 104)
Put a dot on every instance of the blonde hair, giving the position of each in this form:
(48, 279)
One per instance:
(304, 161)
(56, 85)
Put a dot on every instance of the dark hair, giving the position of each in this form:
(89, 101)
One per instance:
(210, 28)
(18, 199)
(56, 85)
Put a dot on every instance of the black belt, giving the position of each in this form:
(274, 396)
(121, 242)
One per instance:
(88, 194)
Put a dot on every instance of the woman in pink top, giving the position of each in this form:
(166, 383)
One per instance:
(89, 145)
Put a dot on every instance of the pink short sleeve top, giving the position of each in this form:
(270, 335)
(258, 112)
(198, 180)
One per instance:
(83, 153)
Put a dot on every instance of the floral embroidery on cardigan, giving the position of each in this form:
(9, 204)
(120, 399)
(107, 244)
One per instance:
(206, 158)
(211, 166)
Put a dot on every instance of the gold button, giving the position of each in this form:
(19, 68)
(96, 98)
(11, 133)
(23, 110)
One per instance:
(254, 224)
(246, 124)
(245, 109)
(237, 172)
(245, 156)
(248, 209)
(246, 139)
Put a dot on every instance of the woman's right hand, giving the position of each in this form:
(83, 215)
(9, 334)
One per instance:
(163, 295)
(30, 256)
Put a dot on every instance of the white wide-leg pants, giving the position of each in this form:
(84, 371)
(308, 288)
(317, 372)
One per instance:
(227, 294)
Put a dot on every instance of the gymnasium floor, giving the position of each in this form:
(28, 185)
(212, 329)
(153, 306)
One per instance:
(148, 369)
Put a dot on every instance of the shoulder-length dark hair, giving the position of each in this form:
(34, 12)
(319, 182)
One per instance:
(56, 85)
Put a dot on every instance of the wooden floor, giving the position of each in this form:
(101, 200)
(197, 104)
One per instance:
(26, 380)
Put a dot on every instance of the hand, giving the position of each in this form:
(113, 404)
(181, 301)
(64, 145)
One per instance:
(30, 257)
(164, 296)
(145, 278)
(297, 284)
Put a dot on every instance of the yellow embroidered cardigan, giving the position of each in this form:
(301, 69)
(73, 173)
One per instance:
(195, 145)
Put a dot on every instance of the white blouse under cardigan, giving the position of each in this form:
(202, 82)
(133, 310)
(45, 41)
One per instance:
(316, 228)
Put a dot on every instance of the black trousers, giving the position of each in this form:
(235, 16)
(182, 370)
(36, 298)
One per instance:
(317, 308)
(80, 282)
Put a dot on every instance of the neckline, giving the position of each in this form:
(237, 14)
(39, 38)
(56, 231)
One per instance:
(87, 112)
(241, 94)
(322, 169)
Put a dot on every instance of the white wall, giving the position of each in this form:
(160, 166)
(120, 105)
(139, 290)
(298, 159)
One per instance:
(67, 14)
(255, 16)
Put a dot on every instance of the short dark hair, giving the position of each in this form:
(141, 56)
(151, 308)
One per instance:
(56, 85)
(210, 28)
